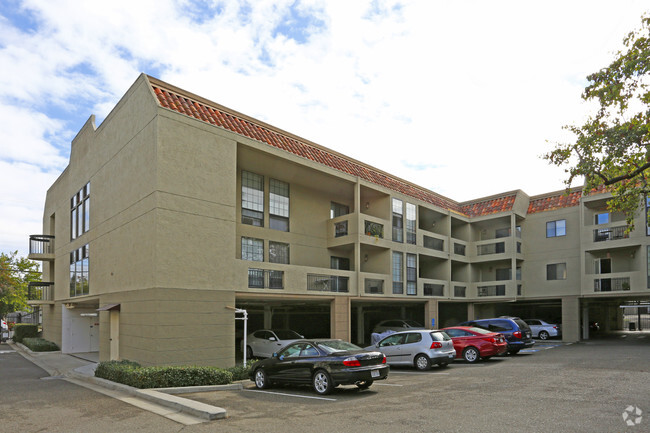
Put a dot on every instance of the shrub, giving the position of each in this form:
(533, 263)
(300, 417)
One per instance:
(239, 372)
(24, 330)
(40, 344)
(132, 374)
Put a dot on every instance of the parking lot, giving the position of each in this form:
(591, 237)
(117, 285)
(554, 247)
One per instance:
(551, 387)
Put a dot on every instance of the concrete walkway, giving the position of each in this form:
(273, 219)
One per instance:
(80, 369)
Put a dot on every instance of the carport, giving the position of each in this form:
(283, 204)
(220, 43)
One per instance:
(365, 314)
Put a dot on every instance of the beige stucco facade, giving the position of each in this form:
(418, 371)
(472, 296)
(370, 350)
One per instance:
(164, 244)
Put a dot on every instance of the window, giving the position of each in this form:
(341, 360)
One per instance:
(601, 218)
(79, 272)
(279, 205)
(555, 228)
(340, 263)
(252, 199)
(278, 252)
(411, 274)
(252, 249)
(556, 271)
(80, 212)
(398, 279)
(504, 274)
(411, 236)
(337, 209)
(398, 221)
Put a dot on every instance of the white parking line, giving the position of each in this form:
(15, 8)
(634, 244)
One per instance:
(291, 395)
(6, 351)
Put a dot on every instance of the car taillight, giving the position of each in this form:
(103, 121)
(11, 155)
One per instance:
(435, 345)
(490, 339)
(516, 334)
(555, 327)
(354, 362)
(384, 360)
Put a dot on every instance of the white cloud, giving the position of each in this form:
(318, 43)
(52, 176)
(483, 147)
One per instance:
(467, 92)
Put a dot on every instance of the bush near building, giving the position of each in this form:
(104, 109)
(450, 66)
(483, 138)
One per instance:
(24, 330)
(40, 345)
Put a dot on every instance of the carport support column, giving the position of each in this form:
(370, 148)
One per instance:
(431, 312)
(470, 311)
(570, 319)
(340, 318)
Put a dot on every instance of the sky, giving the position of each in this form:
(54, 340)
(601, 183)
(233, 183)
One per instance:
(460, 97)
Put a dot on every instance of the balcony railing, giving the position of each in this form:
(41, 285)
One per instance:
(40, 291)
(265, 279)
(327, 283)
(610, 234)
(496, 248)
(374, 229)
(434, 289)
(373, 286)
(433, 243)
(611, 284)
(41, 244)
(459, 249)
(460, 291)
(340, 229)
(496, 290)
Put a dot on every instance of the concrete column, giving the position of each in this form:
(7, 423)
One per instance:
(431, 312)
(570, 319)
(470, 311)
(268, 317)
(585, 322)
(361, 330)
(340, 318)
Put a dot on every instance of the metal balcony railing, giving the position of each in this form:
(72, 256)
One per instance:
(496, 248)
(496, 290)
(40, 291)
(340, 229)
(373, 286)
(459, 249)
(434, 289)
(610, 234)
(611, 284)
(433, 243)
(41, 244)
(265, 279)
(374, 229)
(327, 283)
(460, 291)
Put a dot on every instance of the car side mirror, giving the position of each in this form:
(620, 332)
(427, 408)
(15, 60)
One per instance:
(275, 355)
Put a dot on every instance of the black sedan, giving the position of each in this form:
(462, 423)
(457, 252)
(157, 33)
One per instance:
(324, 364)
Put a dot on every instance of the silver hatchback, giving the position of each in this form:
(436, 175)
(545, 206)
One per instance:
(418, 348)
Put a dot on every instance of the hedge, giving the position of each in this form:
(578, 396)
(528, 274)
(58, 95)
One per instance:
(40, 344)
(132, 374)
(24, 330)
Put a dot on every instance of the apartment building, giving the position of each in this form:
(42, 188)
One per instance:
(176, 211)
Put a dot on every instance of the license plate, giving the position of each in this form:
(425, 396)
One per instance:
(374, 373)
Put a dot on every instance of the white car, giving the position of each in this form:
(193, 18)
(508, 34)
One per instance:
(4, 326)
(265, 342)
(542, 329)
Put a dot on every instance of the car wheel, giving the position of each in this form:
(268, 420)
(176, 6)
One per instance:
(471, 354)
(543, 335)
(422, 362)
(261, 379)
(249, 352)
(322, 382)
(364, 384)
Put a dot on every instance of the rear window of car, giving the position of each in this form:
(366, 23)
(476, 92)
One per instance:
(331, 346)
(522, 324)
(440, 336)
(480, 330)
(500, 325)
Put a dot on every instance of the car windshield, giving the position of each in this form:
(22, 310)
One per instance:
(287, 334)
(480, 330)
(413, 324)
(331, 346)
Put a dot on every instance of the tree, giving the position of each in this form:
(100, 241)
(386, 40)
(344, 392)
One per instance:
(612, 148)
(15, 275)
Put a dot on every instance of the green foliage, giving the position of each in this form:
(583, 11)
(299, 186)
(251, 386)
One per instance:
(40, 345)
(612, 148)
(15, 275)
(239, 372)
(132, 374)
(24, 330)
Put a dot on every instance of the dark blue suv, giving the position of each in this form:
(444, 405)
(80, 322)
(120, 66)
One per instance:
(517, 332)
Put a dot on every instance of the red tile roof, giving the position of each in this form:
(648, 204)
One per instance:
(489, 206)
(199, 108)
(553, 202)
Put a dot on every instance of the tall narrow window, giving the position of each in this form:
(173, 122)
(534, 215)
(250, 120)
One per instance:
(80, 212)
(278, 252)
(252, 249)
(337, 209)
(341, 263)
(411, 274)
(411, 237)
(252, 199)
(398, 221)
(80, 271)
(398, 277)
(279, 205)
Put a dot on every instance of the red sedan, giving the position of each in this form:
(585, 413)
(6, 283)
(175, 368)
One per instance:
(472, 343)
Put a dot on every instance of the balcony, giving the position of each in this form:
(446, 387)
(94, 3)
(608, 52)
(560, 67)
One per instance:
(492, 248)
(491, 290)
(41, 247)
(433, 243)
(373, 286)
(265, 279)
(327, 283)
(611, 284)
(460, 291)
(40, 292)
(374, 229)
(610, 234)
